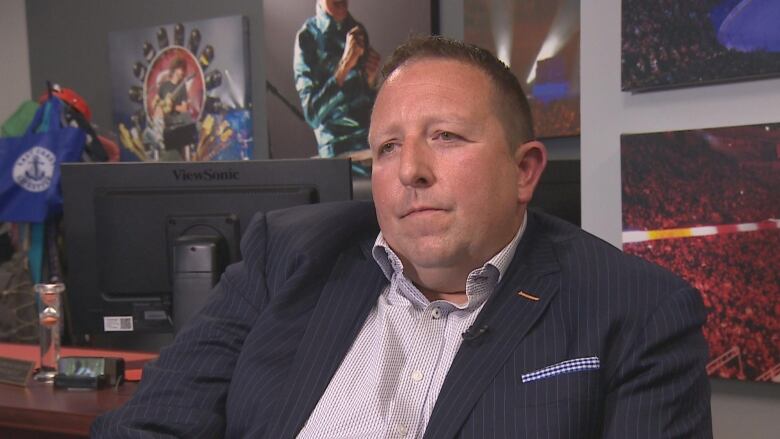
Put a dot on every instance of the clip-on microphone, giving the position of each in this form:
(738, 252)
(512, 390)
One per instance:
(473, 333)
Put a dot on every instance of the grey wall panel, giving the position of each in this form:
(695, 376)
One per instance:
(15, 70)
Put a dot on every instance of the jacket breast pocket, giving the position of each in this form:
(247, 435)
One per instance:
(580, 385)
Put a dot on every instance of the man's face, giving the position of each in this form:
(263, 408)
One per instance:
(177, 75)
(338, 9)
(445, 179)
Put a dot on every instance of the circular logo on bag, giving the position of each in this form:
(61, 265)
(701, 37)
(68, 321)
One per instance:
(34, 169)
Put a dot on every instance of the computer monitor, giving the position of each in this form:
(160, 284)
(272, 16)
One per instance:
(136, 232)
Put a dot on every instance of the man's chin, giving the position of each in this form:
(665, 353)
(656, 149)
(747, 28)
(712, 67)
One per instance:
(432, 257)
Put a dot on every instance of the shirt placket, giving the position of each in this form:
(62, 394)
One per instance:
(417, 373)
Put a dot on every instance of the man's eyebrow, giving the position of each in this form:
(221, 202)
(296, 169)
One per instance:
(451, 119)
(390, 130)
(381, 133)
(455, 122)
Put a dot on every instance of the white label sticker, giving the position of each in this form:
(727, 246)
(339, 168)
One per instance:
(119, 323)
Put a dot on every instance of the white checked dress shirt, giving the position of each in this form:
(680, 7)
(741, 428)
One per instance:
(388, 383)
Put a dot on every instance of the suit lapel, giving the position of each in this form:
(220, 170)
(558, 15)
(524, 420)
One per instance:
(509, 316)
(345, 301)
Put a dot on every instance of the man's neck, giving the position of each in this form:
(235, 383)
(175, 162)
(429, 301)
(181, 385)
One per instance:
(449, 282)
(440, 283)
(456, 297)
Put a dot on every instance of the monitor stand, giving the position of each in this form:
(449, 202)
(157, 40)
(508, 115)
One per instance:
(198, 262)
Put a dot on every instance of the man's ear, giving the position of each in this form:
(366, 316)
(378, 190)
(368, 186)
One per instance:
(531, 159)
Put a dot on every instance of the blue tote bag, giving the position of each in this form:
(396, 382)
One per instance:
(30, 166)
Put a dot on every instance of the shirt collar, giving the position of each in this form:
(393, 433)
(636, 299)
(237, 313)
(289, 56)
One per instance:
(389, 262)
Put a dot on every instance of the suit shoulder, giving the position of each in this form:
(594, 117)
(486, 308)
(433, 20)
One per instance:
(306, 238)
(333, 216)
(594, 256)
(318, 228)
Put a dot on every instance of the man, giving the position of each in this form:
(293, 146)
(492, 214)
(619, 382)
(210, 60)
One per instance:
(466, 316)
(335, 75)
(172, 95)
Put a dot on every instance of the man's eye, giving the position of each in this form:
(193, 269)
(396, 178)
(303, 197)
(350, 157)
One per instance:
(387, 148)
(447, 136)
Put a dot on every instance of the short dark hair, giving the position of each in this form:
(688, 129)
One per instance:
(508, 89)
(178, 63)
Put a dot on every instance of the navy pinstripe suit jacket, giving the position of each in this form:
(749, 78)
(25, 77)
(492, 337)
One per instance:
(256, 360)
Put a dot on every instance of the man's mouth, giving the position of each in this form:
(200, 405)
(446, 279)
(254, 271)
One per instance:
(420, 209)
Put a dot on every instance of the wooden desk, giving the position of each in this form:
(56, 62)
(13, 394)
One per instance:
(41, 411)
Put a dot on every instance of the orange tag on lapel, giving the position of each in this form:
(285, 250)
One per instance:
(527, 296)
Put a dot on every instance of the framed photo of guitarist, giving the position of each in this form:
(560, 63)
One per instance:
(174, 98)
(181, 91)
(171, 102)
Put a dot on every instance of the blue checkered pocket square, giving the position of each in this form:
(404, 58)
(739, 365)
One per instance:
(568, 366)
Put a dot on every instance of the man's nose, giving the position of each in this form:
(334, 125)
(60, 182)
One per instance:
(417, 163)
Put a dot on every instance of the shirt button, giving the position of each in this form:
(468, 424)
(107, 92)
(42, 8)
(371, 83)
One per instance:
(436, 313)
(417, 375)
(402, 430)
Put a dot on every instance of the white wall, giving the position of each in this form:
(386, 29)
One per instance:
(607, 112)
(14, 57)
(740, 410)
